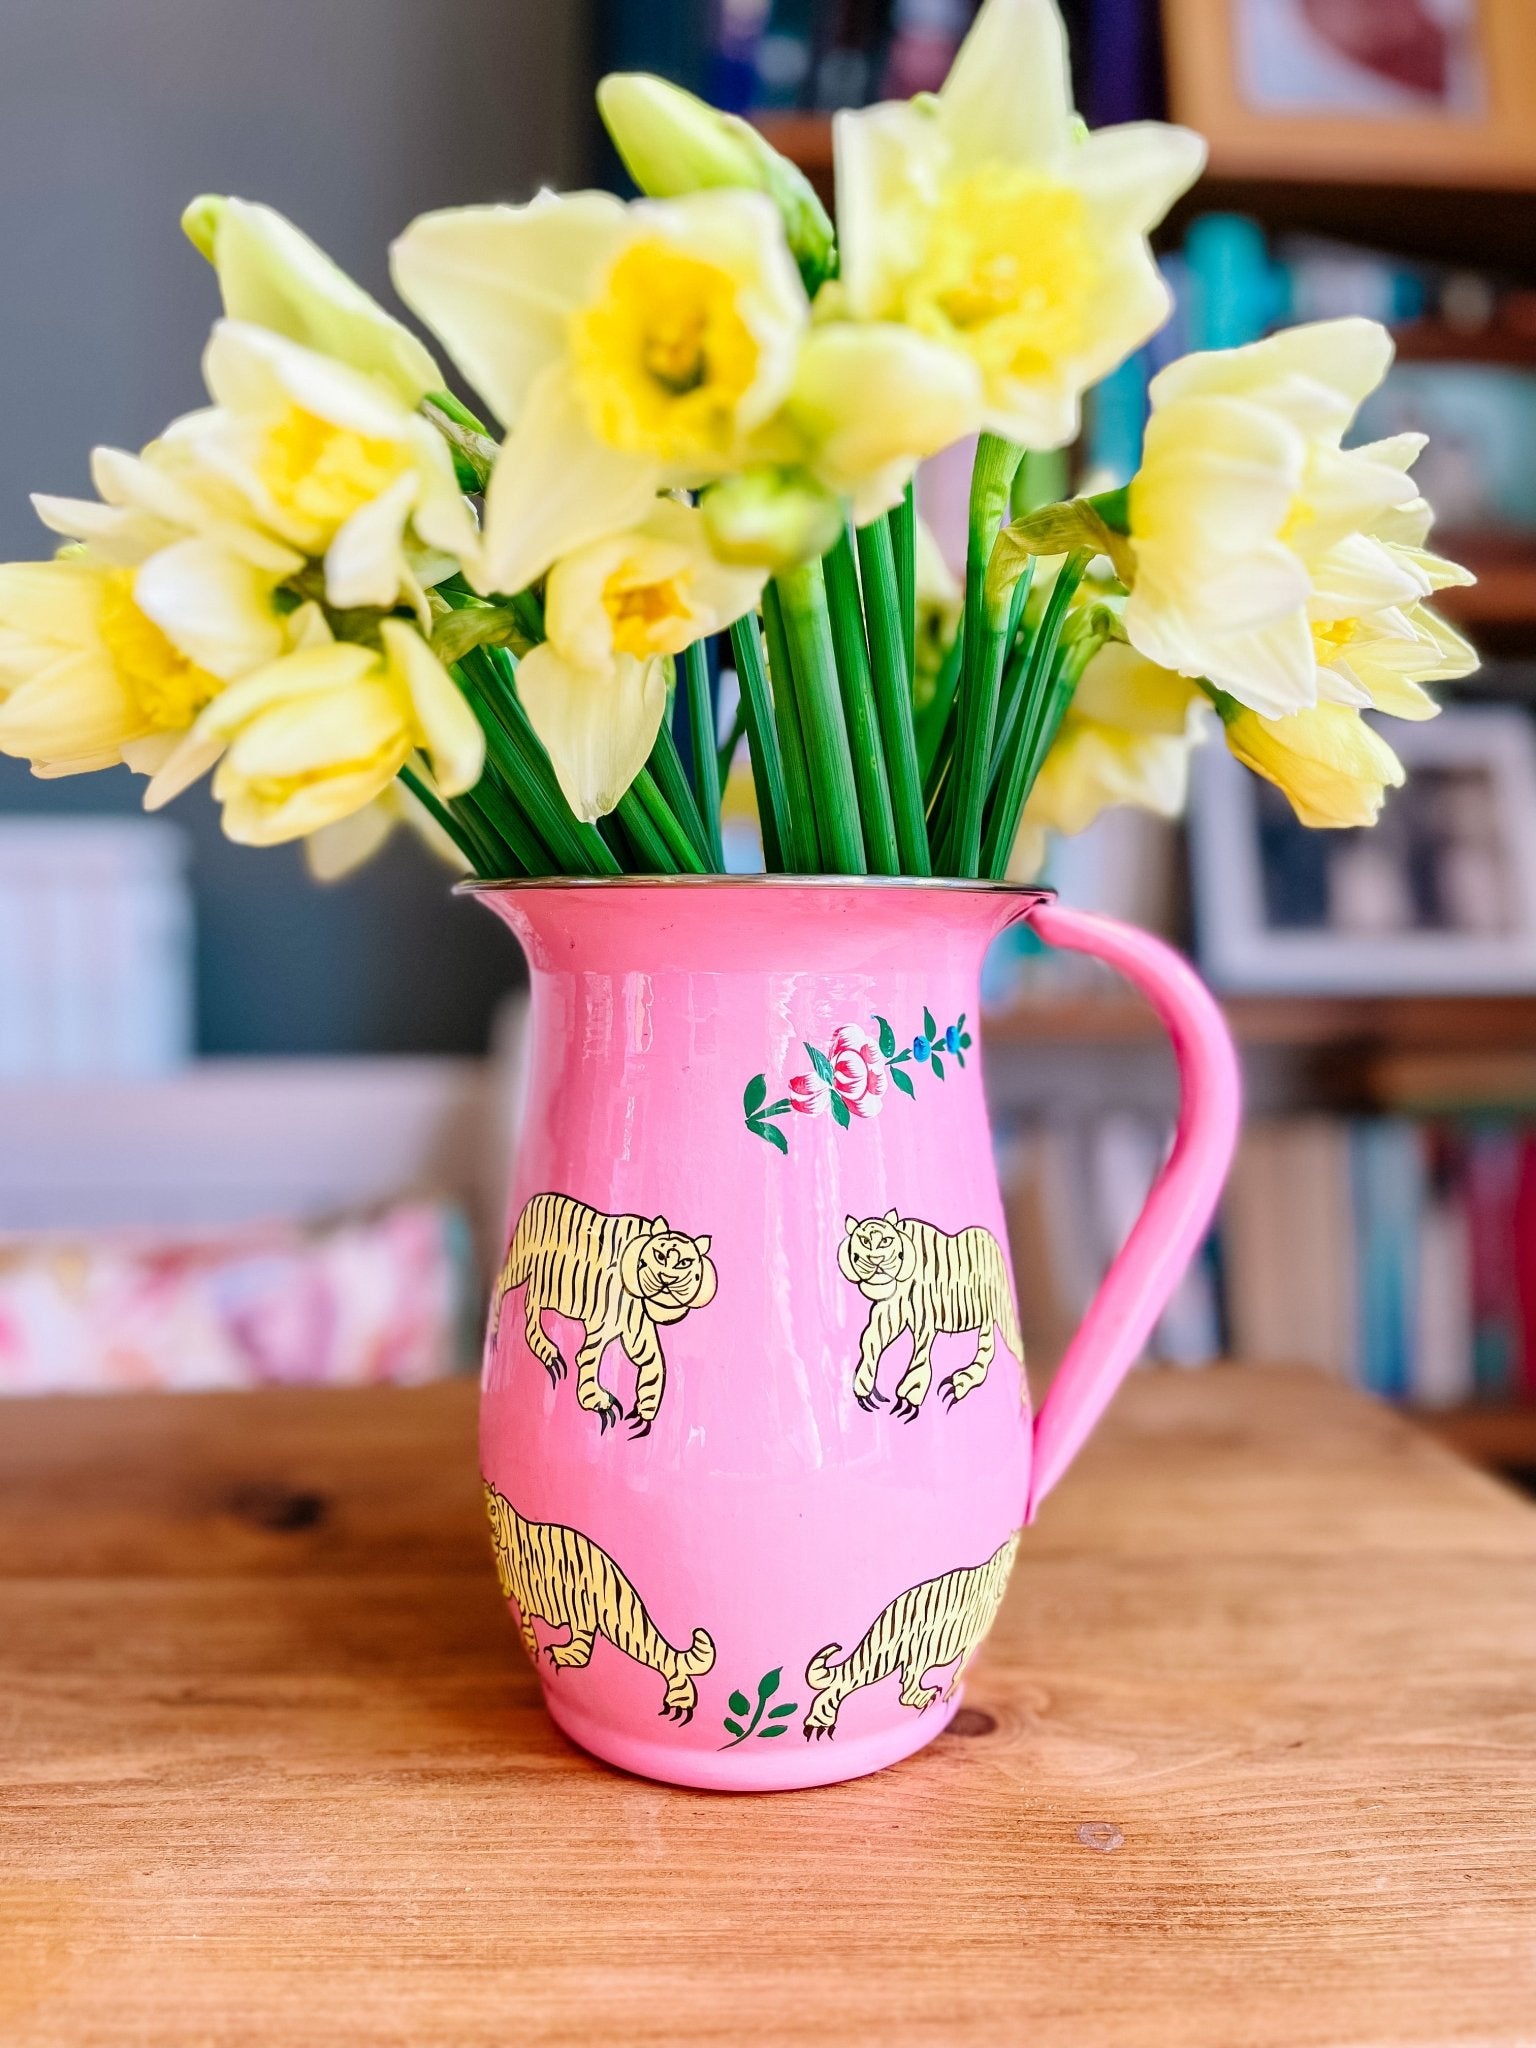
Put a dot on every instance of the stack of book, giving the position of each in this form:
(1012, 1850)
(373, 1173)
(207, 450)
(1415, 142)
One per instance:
(1398, 1252)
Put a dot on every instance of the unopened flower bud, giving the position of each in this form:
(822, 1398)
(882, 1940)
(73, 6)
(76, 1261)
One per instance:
(771, 518)
(673, 143)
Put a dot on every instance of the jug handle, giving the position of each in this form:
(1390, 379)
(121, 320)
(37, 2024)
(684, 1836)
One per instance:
(1168, 1231)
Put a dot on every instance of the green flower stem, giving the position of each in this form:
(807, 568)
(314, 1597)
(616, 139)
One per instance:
(847, 616)
(725, 753)
(802, 596)
(676, 792)
(1043, 707)
(986, 619)
(460, 414)
(903, 525)
(756, 709)
(459, 828)
(495, 819)
(1015, 672)
(587, 839)
(650, 848)
(892, 675)
(706, 766)
(801, 846)
(685, 856)
(505, 762)
(935, 723)
(524, 765)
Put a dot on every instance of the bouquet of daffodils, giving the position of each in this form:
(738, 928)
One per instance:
(349, 597)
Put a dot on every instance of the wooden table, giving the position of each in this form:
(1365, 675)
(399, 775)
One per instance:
(1249, 1760)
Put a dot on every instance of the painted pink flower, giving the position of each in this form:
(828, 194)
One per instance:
(810, 1096)
(859, 1071)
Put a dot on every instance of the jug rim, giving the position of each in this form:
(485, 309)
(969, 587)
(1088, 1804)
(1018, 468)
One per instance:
(474, 885)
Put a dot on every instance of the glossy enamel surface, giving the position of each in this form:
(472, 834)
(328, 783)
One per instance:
(755, 1507)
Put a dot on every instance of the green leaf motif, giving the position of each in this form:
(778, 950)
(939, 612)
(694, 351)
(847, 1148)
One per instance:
(887, 1037)
(735, 1728)
(937, 1065)
(754, 1095)
(840, 1114)
(739, 1703)
(821, 1063)
(965, 1039)
(768, 1684)
(784, 1708)
(772, 1133)
(930, 1029)
(778, 1108)
(764, 1733)
(903, 1080)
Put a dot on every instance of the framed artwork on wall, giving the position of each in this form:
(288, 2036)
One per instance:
(1435, 92)
(1439, 897)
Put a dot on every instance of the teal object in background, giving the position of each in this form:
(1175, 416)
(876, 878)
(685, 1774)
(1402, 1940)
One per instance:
(1235, 293)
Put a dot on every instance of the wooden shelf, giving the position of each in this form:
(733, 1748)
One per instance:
(1459, 1023)
(1506, 342)
(1501, 1438)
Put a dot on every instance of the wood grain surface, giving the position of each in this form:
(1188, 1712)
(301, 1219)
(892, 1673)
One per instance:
(1249, 1761)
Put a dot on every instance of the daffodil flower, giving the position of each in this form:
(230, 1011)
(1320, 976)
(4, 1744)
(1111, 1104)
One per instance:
(318, 734)
(1126, 739)
(326, 461)
(986, 218)
(633, 348)
(1260, 544)
(272, 275)
(336, 851)
(1332, 766)
(596, 688)
(88, 675)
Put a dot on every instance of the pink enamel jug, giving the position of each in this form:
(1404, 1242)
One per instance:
(755, 1432)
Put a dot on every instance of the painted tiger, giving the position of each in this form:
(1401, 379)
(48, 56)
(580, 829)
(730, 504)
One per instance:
(919, 1279)
(937, 1623)
(557, 1575)
(618, 1276)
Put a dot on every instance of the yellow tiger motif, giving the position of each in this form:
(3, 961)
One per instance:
(937, 1623)
(919, 1279)
(618, 1276)
(557, 1575)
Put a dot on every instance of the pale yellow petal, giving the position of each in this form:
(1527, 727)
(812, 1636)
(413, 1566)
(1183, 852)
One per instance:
(365, 563)
(497, 284)
(76, 709)
(272, 275)
(216, 609)
(1008, 96)
(888, 164)
(343, 846)
(868, 396)
(598, 728)
(1132, 174)
(250, 820)
(187, 762)
(449, 730)
(311, 673)
(556, 487)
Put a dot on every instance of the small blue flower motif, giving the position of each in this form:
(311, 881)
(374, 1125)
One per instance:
(952, 1038)
(921, 1047)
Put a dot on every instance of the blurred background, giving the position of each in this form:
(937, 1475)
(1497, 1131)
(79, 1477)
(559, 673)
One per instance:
(299, 1099)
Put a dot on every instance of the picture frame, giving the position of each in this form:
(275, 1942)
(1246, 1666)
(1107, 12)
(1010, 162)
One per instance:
(1438, 898)
(1438, 92)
